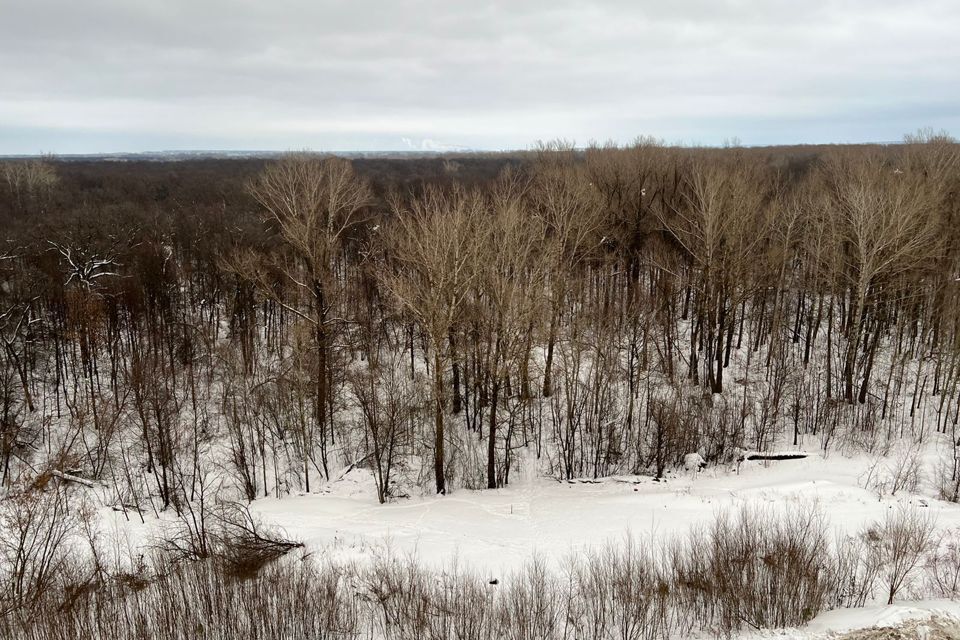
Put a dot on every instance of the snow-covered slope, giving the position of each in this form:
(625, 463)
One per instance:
(924, 620)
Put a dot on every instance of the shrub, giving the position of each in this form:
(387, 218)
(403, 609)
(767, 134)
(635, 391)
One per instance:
(759, 567)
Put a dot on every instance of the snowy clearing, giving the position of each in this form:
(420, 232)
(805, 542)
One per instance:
(500, 529)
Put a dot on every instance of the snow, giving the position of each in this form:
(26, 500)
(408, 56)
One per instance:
(495, 532)
(693, 462)
(499, 530)
(842, 620)
(923, 620)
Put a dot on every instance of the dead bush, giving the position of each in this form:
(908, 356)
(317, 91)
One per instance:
(903, 539)
(758, 567)
(892, 474)
(943, 568)
(619, 592)
(532, 605)
(36, 527)
(856, 569)
(226, 532)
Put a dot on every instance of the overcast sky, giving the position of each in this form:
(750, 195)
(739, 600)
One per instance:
(129, 75)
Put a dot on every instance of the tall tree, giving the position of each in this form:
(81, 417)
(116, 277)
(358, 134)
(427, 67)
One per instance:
(434, 245)
(313, 204)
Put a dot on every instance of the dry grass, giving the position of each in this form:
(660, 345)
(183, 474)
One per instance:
(748, 569)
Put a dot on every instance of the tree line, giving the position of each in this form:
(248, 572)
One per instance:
(445, 322)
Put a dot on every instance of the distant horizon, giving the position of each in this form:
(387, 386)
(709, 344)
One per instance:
(253, 153)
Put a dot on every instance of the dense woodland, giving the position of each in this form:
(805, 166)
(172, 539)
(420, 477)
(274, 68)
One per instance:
(187, 337)
(444, 321)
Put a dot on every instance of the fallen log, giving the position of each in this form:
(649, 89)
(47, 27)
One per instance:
(69, 477)
(775, 456)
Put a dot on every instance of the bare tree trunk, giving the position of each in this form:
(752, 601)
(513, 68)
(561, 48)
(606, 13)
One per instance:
(492, 438)
(548, 366)
(457, 398)
(438, 453)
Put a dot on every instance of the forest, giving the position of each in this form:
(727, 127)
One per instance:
(195, 336)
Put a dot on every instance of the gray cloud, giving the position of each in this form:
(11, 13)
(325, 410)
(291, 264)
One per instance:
(103, 75)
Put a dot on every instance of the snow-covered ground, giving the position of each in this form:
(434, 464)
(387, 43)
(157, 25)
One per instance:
(498, 530)
(494, 532)
(925, 620)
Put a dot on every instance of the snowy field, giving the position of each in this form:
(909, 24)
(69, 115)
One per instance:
(498, 530)
(494, 532)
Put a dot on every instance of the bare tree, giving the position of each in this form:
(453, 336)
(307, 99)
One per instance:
(387, 402)
(434, 243)
(314, 204)
(904, 539)
(37, 526)
(510, 286)
(571, 213)
(887, 218)
(31, 182)
(719, 227)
